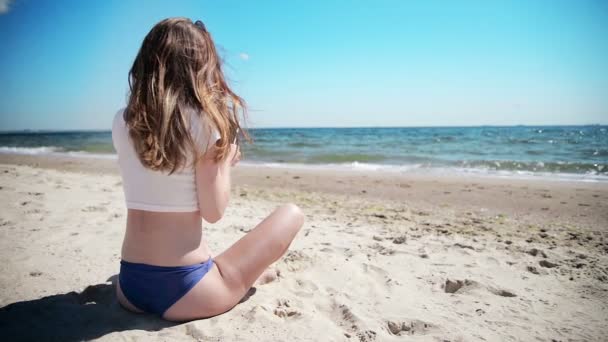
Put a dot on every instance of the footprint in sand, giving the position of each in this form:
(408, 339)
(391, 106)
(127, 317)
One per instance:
(297, 260)
(196, 333)
(463, 286)
(346, 319)
(284, 309)
(305, 288)
(381, 249)
(379, 274)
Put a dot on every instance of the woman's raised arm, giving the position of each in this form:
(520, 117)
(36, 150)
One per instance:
(213, 183)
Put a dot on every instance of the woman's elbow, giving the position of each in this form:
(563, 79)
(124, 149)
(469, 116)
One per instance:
(212, 216)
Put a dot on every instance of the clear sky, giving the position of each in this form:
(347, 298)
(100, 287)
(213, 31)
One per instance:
(64, 64)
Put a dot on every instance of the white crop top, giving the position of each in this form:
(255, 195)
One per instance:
(150, 190)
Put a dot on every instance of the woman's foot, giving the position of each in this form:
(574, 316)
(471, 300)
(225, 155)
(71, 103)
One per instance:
(268, 276)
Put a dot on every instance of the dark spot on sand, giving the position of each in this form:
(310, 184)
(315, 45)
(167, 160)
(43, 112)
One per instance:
(452, 286)
(547, 264)
(463, 246)
(399, 240)
(366, 336)
(532, 270)
(535, 252)
(396, 328)
(504, 293)
(35, 274)
(409, 327)
(91, 209)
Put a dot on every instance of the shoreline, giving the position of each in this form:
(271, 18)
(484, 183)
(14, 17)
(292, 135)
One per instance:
(355, 166)
(489, 195)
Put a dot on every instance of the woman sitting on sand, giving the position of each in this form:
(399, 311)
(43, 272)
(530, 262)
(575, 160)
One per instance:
(176, 143)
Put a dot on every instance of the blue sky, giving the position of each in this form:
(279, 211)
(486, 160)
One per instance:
(64, 64)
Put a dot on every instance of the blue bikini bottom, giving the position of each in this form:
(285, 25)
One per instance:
(154, 289)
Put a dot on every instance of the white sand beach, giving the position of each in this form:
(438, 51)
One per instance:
(381, 257)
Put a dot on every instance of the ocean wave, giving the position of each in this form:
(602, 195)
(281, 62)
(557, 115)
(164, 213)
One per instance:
(423, 169)
(29, 150)
(54, 151)
(344, 158)
(304, 144)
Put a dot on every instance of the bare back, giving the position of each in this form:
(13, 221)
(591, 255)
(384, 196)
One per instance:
(164, 238)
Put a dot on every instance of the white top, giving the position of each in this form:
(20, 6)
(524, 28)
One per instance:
(150, 190)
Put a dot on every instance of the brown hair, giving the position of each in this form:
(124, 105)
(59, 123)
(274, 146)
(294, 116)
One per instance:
(177, 68)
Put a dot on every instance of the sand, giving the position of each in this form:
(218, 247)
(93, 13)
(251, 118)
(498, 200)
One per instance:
(382, 257)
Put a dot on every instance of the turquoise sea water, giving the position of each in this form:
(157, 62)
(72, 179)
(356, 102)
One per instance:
(570, 151)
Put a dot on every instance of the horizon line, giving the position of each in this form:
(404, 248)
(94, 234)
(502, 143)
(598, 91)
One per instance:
(30, 130)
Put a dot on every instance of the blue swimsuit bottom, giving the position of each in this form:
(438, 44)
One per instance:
(154, 289)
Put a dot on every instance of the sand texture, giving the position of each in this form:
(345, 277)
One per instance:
(381, 258)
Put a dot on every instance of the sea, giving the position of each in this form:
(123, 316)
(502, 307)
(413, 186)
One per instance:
(557, 152)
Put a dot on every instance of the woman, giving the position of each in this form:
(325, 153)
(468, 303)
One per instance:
(176, 143)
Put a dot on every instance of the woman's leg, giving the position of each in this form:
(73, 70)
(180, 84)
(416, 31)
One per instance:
(237, 268)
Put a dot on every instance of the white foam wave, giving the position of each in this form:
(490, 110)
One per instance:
(440, 171)
(353, 166)
(29, 150)
(53, 151)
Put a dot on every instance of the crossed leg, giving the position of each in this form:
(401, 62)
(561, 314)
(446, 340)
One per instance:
(237, 268)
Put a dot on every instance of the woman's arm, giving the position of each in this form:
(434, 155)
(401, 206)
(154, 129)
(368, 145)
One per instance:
(213, 183)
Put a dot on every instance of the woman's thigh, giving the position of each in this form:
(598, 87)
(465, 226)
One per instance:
(237, 268)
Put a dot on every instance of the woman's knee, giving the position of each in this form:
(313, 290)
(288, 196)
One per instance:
(291, 220)
(294, 213)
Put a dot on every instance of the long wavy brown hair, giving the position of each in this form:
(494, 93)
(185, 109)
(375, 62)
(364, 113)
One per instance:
(178, 69)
